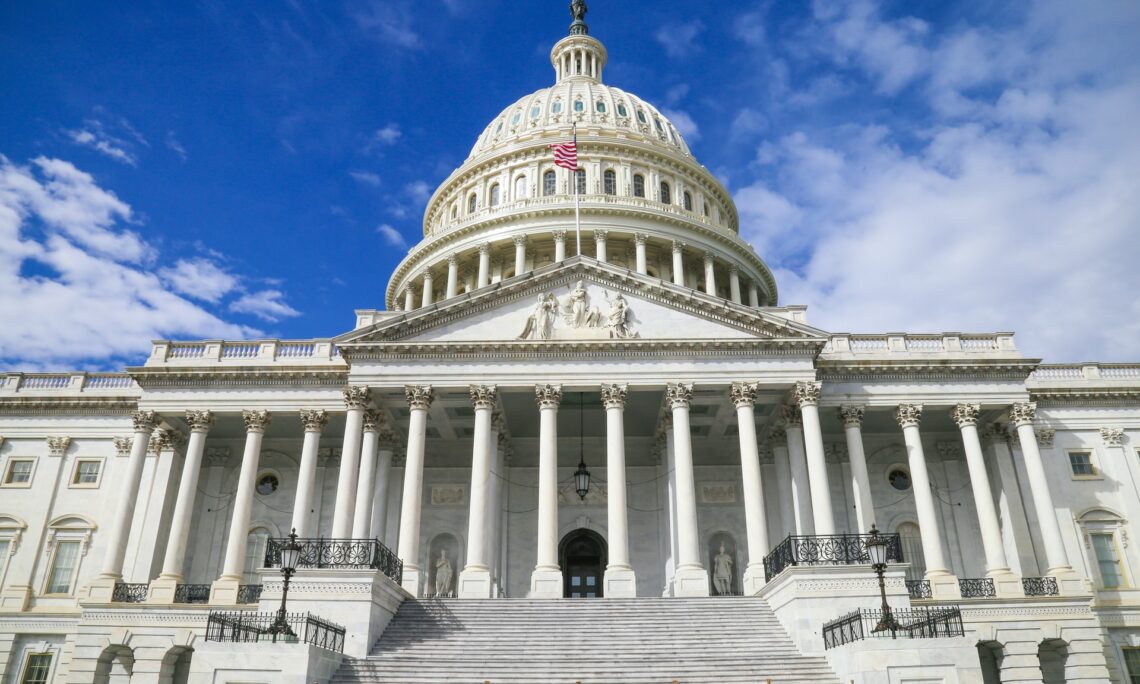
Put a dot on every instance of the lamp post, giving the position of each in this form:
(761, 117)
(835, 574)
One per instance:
(877, 550)
(290, 554)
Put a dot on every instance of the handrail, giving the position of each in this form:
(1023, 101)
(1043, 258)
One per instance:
(319, 552)
(837, 549)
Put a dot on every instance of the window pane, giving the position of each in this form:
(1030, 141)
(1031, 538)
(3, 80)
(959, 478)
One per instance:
(1132, 662)
(87, 472)
(575, 581)
(688, 202)
(5, 546)
(666, 196)
(1081, 462)
(494, 195)
(20, 471)
(37, 669)
(580, 178)
(591, 581)
(63, 567)
(548, 183)
(1107, 560)
(609, 182)
(639, 186)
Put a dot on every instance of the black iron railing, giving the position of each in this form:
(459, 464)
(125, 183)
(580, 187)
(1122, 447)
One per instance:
(838, 549)
(129, 593)
(1040, 586)
(249, 593)
(340, 553)
(192, 593)
(248, 626)
(912, 623)
(977, 587)
(919, 589)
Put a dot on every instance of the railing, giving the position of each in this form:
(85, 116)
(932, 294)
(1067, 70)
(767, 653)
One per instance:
(919, 589)
(130, 593)
(192, 593)
(247, 351)
(247, 626)
(948, 343)
(1040, 586)
(977, 587)
(840, 549)
(65, 382)
(340, 553)
(249, 593)
(911, 623)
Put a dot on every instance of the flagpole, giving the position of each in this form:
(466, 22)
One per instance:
(574, 180)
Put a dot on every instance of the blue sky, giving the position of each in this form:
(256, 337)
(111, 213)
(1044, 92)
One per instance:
(221, 169)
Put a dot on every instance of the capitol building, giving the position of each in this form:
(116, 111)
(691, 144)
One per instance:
(582, 439)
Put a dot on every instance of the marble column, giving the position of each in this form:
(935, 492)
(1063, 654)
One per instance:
(475, 579)
(710, 274)
(520, 254)
(419, 399)
(852, 417)
(428, 295)
(997, 567)
(559, 246)
(162, 589)
(484, 277)
(671, 500)
(452, 276)
(494, 512)
(734, 284)
(743, 396)
(691, 578)
(640, 239)
(678, 263)
(409, 299)
(806, 395)
(546, 580)
(782, 465)
(314, 422)
(753, 296)
(600, 245)
(366, 483)
(119, 532)
(386, 445)
(1022, 415)
(356, 399)
(225, 588)
(908, 417)
(620, 581)
(798, 469)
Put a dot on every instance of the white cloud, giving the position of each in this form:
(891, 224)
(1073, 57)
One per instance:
(118, 139)
(387, 135)
(680, 38)
(103, 145)
(200, 279)
(418, 191)
(268, 305)
(365, 178)
(391, 235)
(684, 124)
(74, 286)
(174, 146)
(388, 22)
(891, 51)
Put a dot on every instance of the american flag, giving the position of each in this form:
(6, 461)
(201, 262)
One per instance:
(566, 155)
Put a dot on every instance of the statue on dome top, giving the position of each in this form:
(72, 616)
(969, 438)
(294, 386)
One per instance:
(578, 10)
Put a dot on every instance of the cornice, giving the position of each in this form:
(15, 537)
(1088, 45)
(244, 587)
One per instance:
(583, 349)
(1085, 396)
(903, 370)
(238, 376)
(72, 406)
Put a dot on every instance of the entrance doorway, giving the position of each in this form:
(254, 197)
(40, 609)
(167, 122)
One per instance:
(582, 555)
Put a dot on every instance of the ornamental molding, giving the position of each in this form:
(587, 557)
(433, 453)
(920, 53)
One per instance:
(791, 417)
(356, 397)
(370, 421)
(1044, 437)
(256, 420)
(908, 415)
(807, 393)
(164, 439)
(1112, 436)
(147, 616)
(144, 421)
(217, 457)
(123, 445)
(57, 446)
(419, 396)
(200, 421)
(1022, 413)
(1081, 396)
(949, 451)
(328, 457)
(227, 377)
(68, 406)
(951, 369)
(529, 350)
(679, 395)
(995, 433)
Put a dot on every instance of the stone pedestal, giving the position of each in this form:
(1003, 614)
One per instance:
(16, 598)
(1007, 584)
(691, 581)
(545, 584)
(1070, 583)
(413, 581)
(475, 583)
(162, 590)
(224, 591)
(753, 580)
(101, 590)
(944, 586)
(619, 583)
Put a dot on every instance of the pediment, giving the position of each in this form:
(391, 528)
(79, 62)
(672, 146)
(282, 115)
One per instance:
(580, 300)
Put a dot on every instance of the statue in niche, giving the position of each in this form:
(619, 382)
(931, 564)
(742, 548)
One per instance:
(443, 575)
(618, 319)
(576, 309)
(722, 572)
(540, 323)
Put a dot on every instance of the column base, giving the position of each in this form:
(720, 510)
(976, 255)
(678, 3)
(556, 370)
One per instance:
(475, 583)
(101, 589)
(944, 585)
(162, 590)
(753, 579)
(1006, 584)
(619, 582)
(545, 584)
(224, 590)
(412, 582)
(1070, 583)
(691, 581)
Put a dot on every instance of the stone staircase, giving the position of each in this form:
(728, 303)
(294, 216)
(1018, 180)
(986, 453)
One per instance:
(606, 641)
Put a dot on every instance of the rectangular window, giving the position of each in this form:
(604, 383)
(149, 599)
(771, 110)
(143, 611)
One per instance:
(1081, 463)
(63, 567)
(19, 471)
(86, 472)
(1132, 663)
(1108, 560)
(37, 669)
(5, 548)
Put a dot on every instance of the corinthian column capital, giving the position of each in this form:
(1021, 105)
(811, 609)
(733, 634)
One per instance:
(122, 445)
(640, 238)
(807, 393)
(548, 396)
(371, 421)
(314, 420)
(1112, 436)
(419, 396)
(483, 396)
(144, 421)
(613, 396)
(57, 446)
(255, 420)
(679, 395)
(200, 421)
(1022, 413)
(678, 247)
(743, 393)
(908, 415)
(601, 234)
(356, 397)
(852, 416)
(519, 240)
(485, 248)
(965, 414)
(792, 417)
(559, 235)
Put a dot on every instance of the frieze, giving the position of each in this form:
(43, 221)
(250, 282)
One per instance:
(448, 495)
(718, 492)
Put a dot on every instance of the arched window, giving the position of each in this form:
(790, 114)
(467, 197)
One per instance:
(580, 181)
(706, 208)
(516, 118)
(638, 185)
(1102, 530)
(622, 111)
(579, 106)
(609, 182)
(666, 197)
(688, 197)
(549, 183)
(520, 188)
(535, 111)
(911, 538)
(454, 211)
(556, 106)
(472, 202)
(641, 116)
(600, 106)
(67, 541)
(494, 195)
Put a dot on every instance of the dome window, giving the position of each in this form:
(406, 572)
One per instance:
(600, 105)
(580, 181)
(657, 123)
(516, 118)
(622, 111)
(499, 128)
(609, 182)
(666, 195)
(673, 135)
(535, 111)
(548, 183)
(641, 116)
(579, 106)
(454, 212)
(556, 106)
(520, 188)
(494, 196)
(706, 209)
(472, 202)
(688, 199)
(638, 185)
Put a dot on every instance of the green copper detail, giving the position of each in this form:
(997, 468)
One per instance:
(578, 10)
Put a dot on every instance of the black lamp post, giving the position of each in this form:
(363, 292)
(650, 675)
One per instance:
(581, 475)
(290, 554)
(877, 550)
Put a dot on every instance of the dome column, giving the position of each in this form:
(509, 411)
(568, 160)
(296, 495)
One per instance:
(484, 277)
(452, 276)
(678, 263)
(710, 274)
(600, 245)
(427, 296)
(640, 239)
(409, 299)
(753, 296)
(734, 283)
(520, 254)
(559, 246)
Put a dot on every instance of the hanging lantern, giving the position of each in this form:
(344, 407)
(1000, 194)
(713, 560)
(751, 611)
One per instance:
(582, 480)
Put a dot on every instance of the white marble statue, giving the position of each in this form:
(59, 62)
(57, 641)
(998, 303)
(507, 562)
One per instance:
(576, 309)
(722, 572)
(618, 319)
(443, 575)
(540, 323)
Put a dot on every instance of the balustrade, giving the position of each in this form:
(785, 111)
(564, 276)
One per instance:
(339, 553)
(839, 549)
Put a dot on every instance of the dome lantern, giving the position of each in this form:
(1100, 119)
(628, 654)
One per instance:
(578, 56)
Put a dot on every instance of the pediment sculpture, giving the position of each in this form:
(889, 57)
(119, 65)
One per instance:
(574, 312)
